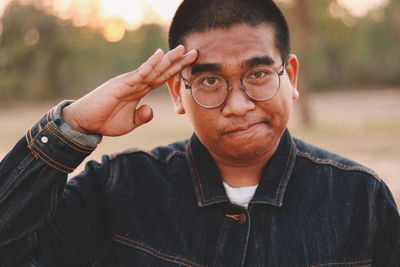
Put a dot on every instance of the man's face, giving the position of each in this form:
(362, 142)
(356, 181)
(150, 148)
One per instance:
(241, 130)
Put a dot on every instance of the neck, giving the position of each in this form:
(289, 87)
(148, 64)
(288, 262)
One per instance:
(240, 174)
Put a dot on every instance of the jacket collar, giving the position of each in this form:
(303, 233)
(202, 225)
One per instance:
(208, 182)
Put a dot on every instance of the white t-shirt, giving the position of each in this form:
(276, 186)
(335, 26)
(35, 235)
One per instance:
(240, 195)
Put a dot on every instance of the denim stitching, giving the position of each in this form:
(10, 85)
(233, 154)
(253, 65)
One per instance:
(27, 138)
(192, 164)
(337, 164)
(48, 116)
(345, 168)
(51, 114)
(51, 159)
(50, 122)
(346, 263)
(153, 251)
(71, 140)
(279, 191)
(32, 146)
(47, 162)
(283, 175)
(30, 135)
(63, 137)
(279, 196)
(198, 183)
(66, 137)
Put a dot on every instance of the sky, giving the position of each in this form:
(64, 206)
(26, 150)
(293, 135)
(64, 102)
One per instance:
(131, 10)
(119, 15)
(135, 11)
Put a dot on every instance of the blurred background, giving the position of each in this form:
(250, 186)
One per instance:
(349, 51)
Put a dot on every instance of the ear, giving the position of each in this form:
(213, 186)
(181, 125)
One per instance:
(292, 68)
(174, 87)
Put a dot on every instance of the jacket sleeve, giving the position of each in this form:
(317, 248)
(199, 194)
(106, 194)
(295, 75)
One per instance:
(387, 245)
(41, 218)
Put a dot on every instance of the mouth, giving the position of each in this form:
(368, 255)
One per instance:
(243, 129)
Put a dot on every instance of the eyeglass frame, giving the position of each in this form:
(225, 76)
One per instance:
(229, 88)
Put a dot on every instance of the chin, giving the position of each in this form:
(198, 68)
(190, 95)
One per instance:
(251, 153)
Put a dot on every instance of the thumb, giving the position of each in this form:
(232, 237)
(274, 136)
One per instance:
(143, 114)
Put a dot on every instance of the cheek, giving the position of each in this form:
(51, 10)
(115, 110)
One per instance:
(202, 120)
(280, 110)
(204, 124)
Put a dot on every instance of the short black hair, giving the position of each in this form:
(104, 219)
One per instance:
(201, 15)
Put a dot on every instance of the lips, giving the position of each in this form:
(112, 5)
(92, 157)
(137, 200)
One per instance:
(242, 128)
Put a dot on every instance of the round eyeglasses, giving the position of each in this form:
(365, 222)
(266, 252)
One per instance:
(211, 90)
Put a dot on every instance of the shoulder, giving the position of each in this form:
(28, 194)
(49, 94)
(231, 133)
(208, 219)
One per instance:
(160, 154)
(316, 157)
(333, 179)
(148, 170)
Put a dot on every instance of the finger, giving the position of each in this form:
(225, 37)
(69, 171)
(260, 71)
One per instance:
(167, 61)
(143, 114)
(150, 63)
(176, 67)
(148, 69)
(186, 60)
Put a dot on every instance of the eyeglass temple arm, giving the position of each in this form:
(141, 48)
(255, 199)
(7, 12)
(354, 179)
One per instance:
(184, 81)
(283, 69)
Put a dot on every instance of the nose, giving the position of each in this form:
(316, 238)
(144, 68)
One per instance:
(237, 102)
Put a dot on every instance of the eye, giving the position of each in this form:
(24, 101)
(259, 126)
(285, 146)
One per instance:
(209, 81)
(258, 74)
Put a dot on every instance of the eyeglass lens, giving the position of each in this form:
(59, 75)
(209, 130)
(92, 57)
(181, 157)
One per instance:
(211, 90)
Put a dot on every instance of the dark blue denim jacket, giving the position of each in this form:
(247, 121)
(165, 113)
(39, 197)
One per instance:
(168, 207)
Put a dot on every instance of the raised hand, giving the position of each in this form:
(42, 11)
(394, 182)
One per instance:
(112, 108)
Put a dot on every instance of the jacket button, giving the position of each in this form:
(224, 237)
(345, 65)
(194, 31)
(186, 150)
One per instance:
(44, 139)
(242, 218)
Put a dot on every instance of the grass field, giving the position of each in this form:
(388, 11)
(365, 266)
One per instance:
(361, 125)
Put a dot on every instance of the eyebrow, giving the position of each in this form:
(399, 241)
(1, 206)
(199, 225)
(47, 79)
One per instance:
(209, 67)
(266, 60)
(214, 67)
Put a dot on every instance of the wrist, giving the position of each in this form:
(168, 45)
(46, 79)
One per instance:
(82, 137)
(67, 114)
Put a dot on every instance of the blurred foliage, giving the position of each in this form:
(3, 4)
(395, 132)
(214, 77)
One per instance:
(44, 57)
(348, 52)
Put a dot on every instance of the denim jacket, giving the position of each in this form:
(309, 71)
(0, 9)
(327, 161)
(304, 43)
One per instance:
(168, 207)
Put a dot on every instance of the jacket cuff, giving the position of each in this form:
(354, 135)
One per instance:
(57, 147)
(83, 139)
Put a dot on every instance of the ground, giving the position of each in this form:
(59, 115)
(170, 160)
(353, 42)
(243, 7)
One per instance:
(361, 125)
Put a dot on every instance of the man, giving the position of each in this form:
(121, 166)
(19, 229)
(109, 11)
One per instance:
(240, 192)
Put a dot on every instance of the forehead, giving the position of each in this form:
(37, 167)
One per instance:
(233, 45)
